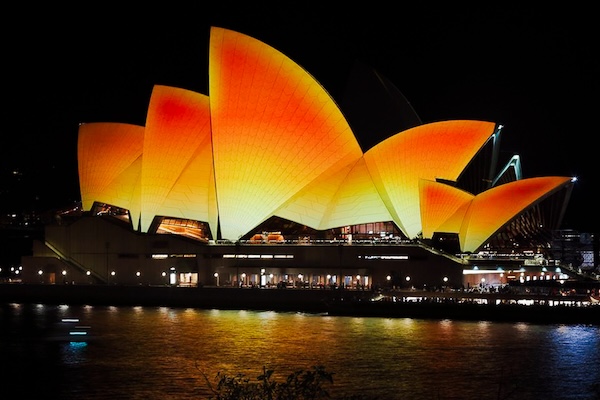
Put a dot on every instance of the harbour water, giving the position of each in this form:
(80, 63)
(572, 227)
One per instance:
(170, 353)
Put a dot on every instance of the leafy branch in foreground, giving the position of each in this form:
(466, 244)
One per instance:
(299, 385)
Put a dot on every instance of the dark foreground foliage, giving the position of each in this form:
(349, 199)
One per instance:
(299, 385)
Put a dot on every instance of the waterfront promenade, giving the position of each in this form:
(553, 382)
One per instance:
(526, 307)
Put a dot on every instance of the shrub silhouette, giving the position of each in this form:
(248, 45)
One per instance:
(299, 385)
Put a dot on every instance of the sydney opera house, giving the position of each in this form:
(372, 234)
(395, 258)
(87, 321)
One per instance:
(263, 182)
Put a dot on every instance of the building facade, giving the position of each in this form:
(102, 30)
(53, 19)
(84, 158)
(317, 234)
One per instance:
(263, 183)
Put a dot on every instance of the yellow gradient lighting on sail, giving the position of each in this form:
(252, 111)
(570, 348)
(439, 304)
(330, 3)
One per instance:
(109, 157)
(275, 129)
(440, 202)
(356, 201)
(345, 197)
(492, 209)
(430, 151)
(177, 133)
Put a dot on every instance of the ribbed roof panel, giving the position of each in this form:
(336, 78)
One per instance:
(492, 209)
(440, 202)
(177, 167)
(430, 151)
(356, 201)
(275, 129)
(311, 204)
(109, 162)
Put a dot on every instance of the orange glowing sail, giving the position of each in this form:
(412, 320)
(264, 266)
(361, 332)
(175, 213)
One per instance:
(430, 151)
(177, 175)
(110, 164)
(492, 209)
(275, 129)
(337, 199)
(442, 207)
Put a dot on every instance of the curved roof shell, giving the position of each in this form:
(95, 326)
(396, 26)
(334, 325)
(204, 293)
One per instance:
(109, 157)
(269, 141)
(275, 129)
(438, 150)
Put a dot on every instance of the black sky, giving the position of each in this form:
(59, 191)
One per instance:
(533, 70)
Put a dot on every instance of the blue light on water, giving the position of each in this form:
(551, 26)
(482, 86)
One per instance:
(77, 345)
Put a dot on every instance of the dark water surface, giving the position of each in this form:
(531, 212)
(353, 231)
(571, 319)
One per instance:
(165, 353)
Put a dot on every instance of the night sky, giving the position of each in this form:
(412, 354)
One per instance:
(533, 70)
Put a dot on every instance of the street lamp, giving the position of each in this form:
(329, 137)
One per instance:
(216, 275)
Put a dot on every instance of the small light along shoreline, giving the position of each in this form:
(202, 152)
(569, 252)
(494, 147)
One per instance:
(451, 305)
(474, 306)
(435, 308)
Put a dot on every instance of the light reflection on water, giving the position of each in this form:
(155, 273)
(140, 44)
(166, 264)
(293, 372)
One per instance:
(164, 353)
